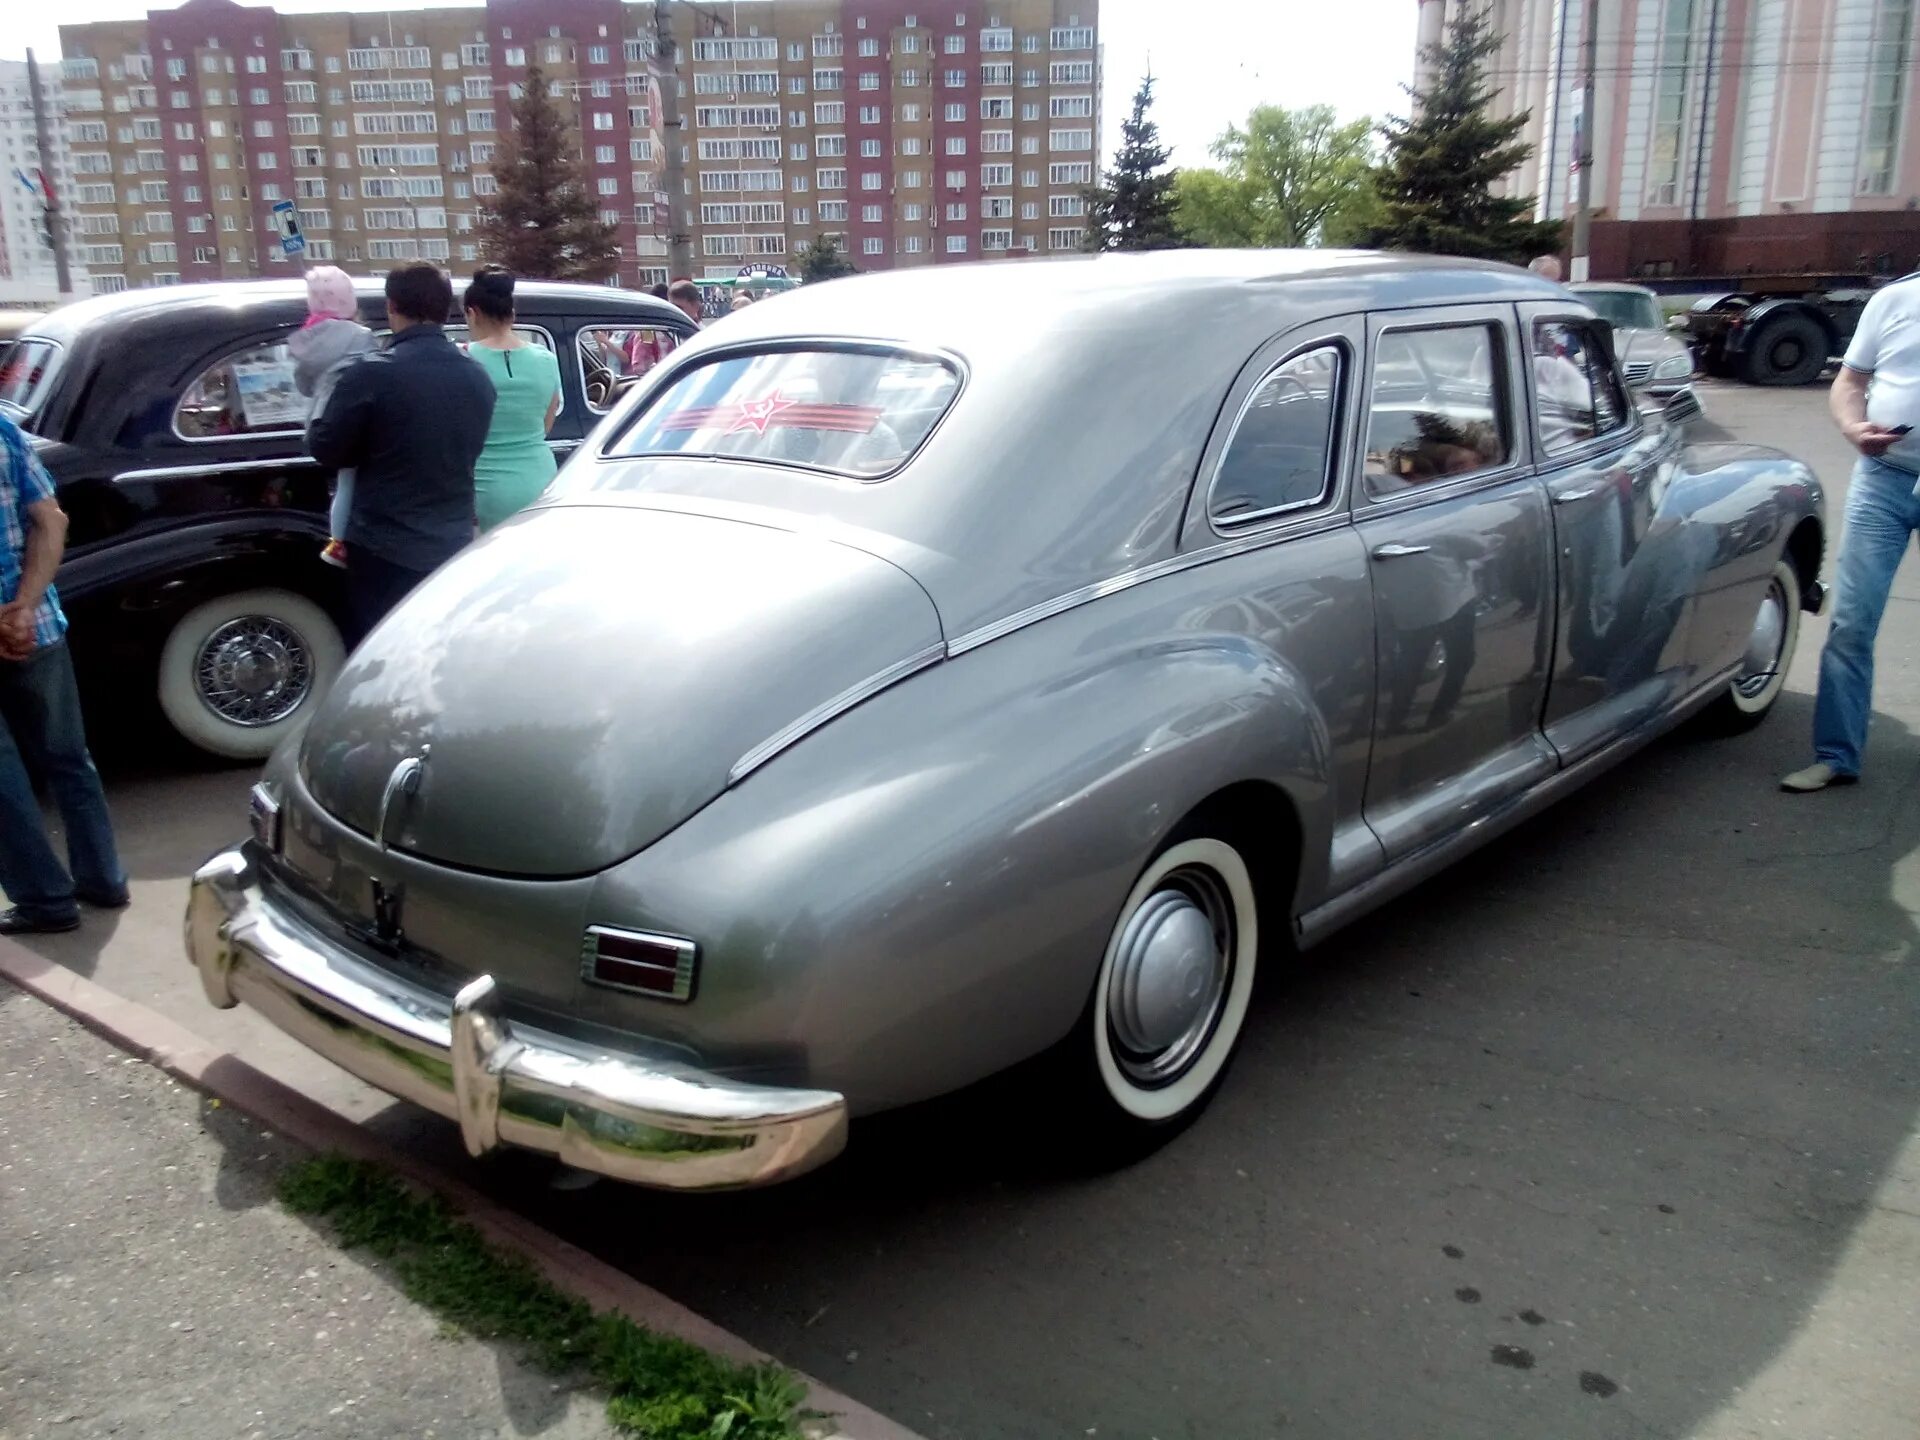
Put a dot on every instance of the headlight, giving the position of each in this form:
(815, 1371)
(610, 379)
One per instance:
(1674, 367)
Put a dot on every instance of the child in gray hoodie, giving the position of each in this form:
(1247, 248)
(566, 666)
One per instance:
(332, 338)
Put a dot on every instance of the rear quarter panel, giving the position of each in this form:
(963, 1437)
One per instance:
(919, 894)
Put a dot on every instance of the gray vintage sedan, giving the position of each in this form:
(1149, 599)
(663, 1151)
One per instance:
(930, 672)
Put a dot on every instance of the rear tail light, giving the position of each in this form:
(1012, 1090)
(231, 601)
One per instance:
(662, 966)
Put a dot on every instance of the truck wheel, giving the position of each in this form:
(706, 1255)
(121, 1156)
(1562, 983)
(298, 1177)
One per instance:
(238, 672)
(1787, 350)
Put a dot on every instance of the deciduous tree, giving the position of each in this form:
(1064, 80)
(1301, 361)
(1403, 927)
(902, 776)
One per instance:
(1291, 177)
(543, 222)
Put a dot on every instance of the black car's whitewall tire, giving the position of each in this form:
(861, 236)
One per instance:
(1171, 996)
(1763, 668)
(240, 671)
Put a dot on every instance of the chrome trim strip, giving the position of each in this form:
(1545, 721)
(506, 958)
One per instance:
(1127, 579)
(621, 1113)
(218, 467)
(830, 709)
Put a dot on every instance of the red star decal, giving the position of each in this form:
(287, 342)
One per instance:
(756, 415)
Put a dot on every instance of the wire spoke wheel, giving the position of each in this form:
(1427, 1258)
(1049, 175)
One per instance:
(254, 670)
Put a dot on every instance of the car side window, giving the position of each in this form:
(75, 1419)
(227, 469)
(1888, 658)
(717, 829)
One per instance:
(614, 357)
(1438, 407)
(249, 392)
(1280, 455)
(1576, 389)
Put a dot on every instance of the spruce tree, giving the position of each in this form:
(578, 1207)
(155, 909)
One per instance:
(1132, 207)
(1435, 183)
(543, 222)
(822, 259)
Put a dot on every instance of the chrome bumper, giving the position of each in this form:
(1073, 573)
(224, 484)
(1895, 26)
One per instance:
(634, 1119)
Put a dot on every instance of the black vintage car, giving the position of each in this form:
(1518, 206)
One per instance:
(170, 421)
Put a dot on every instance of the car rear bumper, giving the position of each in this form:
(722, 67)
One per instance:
(624, 1115)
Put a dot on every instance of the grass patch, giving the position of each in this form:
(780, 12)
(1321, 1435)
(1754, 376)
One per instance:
(657, 1386)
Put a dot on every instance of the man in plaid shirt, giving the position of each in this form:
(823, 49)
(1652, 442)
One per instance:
(40, 730)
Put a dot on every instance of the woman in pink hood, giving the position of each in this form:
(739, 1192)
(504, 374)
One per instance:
(332, 339)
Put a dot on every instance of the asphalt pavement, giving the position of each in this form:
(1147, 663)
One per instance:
(1609, 1131)
(154, 1290)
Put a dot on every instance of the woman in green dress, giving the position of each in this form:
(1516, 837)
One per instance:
(515, 464)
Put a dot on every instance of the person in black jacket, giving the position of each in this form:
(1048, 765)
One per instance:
(410, 421)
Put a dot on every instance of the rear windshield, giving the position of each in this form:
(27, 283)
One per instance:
(858, 413)
(24, 372)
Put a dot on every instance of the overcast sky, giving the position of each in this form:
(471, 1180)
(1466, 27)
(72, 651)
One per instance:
(1213, 60)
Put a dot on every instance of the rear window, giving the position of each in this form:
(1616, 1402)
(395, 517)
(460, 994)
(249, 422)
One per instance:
(859, 413)
(25, 372)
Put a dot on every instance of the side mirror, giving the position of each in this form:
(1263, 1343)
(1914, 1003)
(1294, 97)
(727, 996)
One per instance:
(1682, 407)
(1677, 322)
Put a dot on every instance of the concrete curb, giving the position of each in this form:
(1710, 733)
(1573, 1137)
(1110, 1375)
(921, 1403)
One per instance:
(154, 1038)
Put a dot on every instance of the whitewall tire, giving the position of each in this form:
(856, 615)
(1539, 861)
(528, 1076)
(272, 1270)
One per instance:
(240, 671)
(1770, 645)
(1173, 989)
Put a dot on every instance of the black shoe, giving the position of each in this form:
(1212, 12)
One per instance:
(116, 901)
(21, 922)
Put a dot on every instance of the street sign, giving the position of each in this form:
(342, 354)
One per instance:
(292, 242)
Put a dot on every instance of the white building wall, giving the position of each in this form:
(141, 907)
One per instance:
(1843, 117)
(1760, 104)
(30, 277)
(1642, 58)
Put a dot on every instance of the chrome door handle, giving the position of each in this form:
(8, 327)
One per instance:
(1569, 497)
(1395, 551)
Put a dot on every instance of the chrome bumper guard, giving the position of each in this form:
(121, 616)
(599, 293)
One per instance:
(645, 1121)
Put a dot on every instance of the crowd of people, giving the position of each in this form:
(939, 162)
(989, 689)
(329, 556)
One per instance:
(411, 494)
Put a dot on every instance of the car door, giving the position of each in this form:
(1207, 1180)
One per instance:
(1459, 547)
(614, 355)
(1618, 651)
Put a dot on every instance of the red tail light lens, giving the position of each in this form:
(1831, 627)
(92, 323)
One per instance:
(662, 966)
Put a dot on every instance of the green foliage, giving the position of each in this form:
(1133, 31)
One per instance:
(1436, 184)
(657, 1386)
(822, 259)
(1132, 206)
(544, 223)
(1292, 177)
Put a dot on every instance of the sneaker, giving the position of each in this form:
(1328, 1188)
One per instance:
(334, 553)
(1817, 776)
(24, 922)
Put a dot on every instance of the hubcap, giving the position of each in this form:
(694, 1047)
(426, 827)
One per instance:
(253, 671)
(1762, 659)
(1170, 975)
(1786, 355)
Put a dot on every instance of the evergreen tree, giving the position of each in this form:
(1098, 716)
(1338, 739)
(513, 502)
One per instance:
(1435, 183)
(544, 223)
(1132, 207)
(821, 259)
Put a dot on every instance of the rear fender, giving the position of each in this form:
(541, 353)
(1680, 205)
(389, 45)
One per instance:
(919, 894)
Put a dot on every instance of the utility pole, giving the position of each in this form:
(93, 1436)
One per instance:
(1583, 146)
(50, 204)
(673, 172)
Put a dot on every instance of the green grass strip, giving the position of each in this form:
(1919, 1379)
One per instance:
(657, 1386)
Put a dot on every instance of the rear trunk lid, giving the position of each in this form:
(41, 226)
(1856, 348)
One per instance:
(584, 680)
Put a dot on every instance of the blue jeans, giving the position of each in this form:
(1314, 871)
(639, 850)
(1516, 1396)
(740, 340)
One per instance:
(1882, 514)
(41, 735)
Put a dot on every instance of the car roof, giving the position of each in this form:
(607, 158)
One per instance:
(553, 297)
(1090, 387)
(1609, 287)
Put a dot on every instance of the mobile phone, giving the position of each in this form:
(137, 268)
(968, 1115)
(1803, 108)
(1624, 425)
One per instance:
(1898, 430)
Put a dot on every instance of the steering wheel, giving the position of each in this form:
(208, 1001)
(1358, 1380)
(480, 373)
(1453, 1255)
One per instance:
(1293, 380)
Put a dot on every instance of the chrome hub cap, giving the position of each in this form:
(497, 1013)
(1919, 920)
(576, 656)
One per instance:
(1762, 659)
(1170, 974)
(253, 671)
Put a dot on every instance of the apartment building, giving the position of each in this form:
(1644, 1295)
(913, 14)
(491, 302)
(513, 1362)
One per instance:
(1729, 136)
(27, 271)
(916, 132)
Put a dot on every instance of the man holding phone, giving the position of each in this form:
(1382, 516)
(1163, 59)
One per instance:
(1876, 403)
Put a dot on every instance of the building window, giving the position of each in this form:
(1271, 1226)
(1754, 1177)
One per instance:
(996, 41)
(997, 207)
(1029, 79)
(869, 114)
(954, 79)
(1065, 206)
(1070, 107)
(956, 211)
(996, 142)
(516, 55)
(995, 175)
(1070, 140)
(873, 245)
(826, 47)
(1670, 103)
(956, 179)
(833, 212)
(996, 239)
(1065, 239)
(911, 179)
(872, 180)
(913, 244)
(956, 244)
(1890, 71)
(1029, 210)
(830, 112)
(869, 149)
(597, 55)
(603, 119)
(913, 214)
(1070, 37)
(869, 48)
(827, 79)
(996, 107)
(998, 75)
(912, 79)
(955, 45)
(1029, 178)
(872, 214)
(956, 145)
(869, 80)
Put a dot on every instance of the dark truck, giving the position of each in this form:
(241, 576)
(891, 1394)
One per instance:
(1779, 329)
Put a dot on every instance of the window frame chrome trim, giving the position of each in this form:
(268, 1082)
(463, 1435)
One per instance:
(217, 467)
(279, 337)
(1330, 487)
(23, 413)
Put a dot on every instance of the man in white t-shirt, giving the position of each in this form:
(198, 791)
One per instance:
(1876, 403)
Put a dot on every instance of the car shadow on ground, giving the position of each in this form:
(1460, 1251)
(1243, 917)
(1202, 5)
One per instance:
(1570, 1141)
